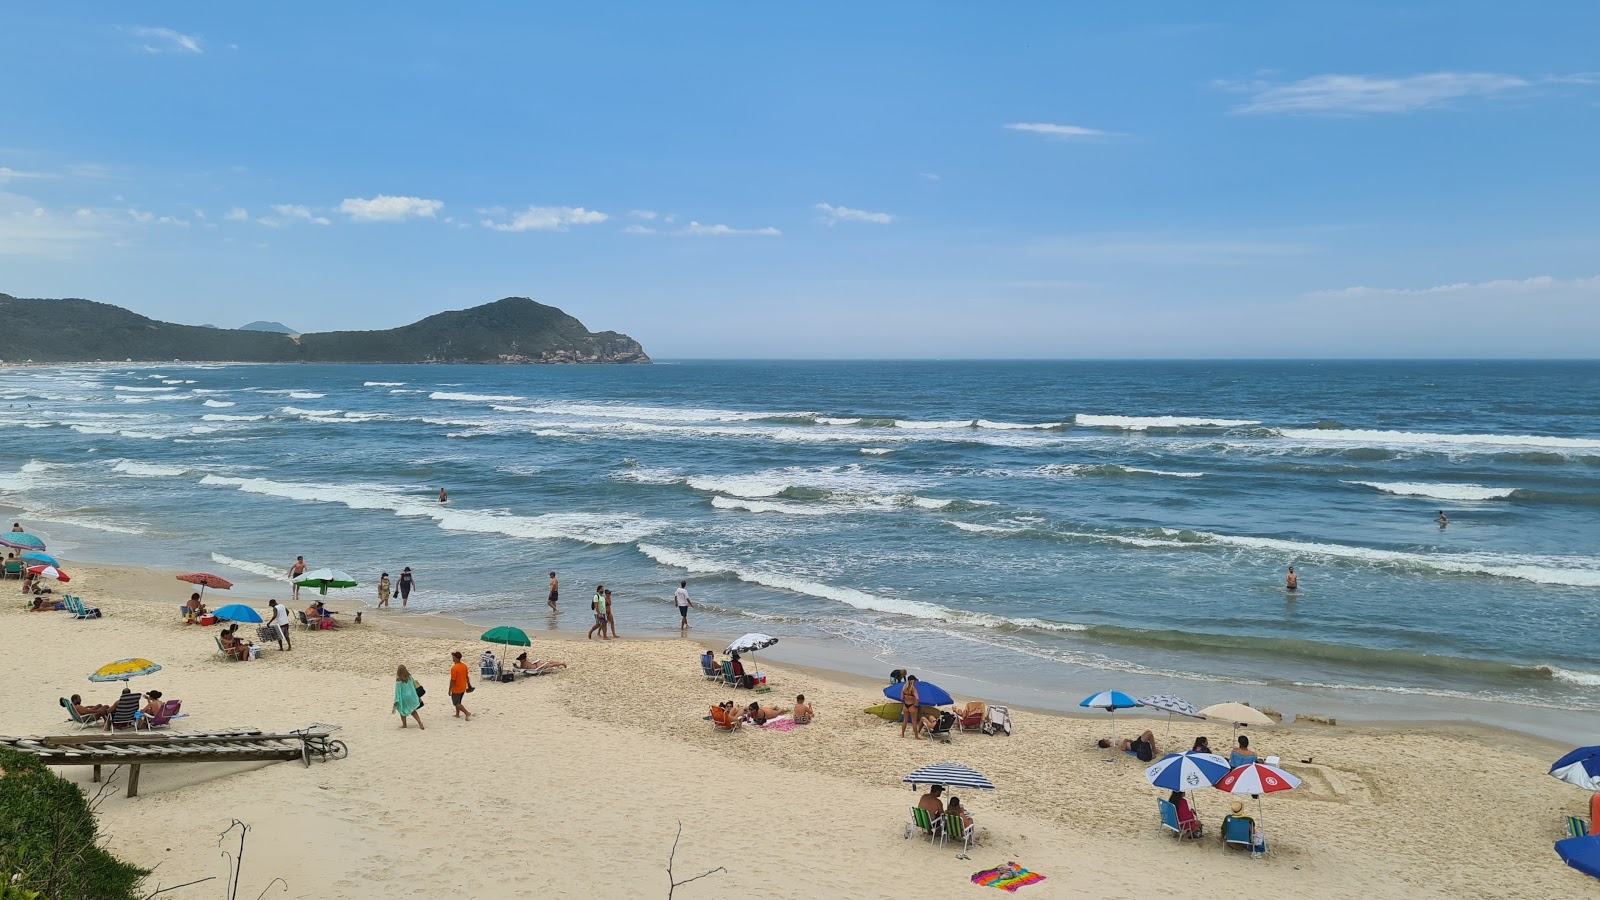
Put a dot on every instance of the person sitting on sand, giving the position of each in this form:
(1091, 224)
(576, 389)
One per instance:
(1201, 745)
(1242, 755)
(89, 713)
(195, 607)
(803, 713)
(531, 666)
(1188, 823)
(761, 715)
(931, 803)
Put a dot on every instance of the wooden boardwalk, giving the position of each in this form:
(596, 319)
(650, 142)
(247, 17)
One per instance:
(135, 750)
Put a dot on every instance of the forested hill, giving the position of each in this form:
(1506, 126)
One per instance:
(512, 330)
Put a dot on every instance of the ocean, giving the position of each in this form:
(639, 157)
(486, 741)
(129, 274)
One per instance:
(1047, 529)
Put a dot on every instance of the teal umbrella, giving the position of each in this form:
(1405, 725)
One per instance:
(322, 579)
(507, 637)
(39, 559)
(18, 540)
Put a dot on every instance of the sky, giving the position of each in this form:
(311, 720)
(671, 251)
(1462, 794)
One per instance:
(885, 180)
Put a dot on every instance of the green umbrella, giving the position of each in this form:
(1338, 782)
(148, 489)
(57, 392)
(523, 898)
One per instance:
(508, 637)
(322, 579)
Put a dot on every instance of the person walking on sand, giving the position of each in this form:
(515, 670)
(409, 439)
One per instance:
(555, 593)
(460, 685)
(278, 618)
(599, 607)
(295, 571)
(407, 697)
(1292, 583)
(611, 614)
(383, 591)
(909, 701)
(407, 585)
(681, 597)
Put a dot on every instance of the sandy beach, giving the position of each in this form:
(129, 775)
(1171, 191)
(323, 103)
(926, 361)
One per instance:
(574, 784)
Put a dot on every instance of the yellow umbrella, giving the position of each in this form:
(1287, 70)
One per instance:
(123, 669)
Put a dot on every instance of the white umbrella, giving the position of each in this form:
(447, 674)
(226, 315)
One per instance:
(750, 643)
(1236, 714)
(1171, 704)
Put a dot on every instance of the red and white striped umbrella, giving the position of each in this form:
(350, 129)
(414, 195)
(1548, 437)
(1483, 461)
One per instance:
(1256, 779)
(48, 572)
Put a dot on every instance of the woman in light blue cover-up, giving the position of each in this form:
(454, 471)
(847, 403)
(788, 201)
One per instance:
(406, 701)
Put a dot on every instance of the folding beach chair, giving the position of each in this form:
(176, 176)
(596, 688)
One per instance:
(78, 610)
(162, 719)
(72, 716)
(708, 672)
(13, 569)
(953, 829)
(974, 715)
(1240, 831)
(307, 624)
(126, 713)
(942, 728)
(1576, 827)
(925, 822)
(999, 721)
(723, 720)
(727, 674)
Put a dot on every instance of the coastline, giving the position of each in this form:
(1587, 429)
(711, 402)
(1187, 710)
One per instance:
(616, 746)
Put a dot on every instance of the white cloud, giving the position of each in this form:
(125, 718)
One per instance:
(288, 213)
(1060, 132)
(169, 220)
(833, 215)
(142, 217)
(200, 214)
(1356, 94)
(7, 174)
(642, 214)
(1536, 284)
(384, 208)
(165, 40)
(545, 218)
(695, 229)
(237, 214)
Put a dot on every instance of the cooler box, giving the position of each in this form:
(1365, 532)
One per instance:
(208, 619)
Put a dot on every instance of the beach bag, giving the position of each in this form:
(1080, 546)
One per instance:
(421, 691)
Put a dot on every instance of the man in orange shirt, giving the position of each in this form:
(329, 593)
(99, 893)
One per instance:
(459, 685)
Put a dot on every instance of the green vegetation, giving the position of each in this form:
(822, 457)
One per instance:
(513, 330)
(48, 835)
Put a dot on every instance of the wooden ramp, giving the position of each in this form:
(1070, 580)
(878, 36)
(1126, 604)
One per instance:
(135, 750)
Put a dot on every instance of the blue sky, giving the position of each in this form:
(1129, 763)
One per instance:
(857, 180)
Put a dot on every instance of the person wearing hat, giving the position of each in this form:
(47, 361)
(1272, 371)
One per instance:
(407, 585)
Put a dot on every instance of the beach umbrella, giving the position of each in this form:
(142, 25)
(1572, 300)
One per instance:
(1173, 705)
(950, 775)
(50, 572)
(928, 694)
(1256, 779)
(238, 612)
(206, 580)
(123, 669)
(751, 642)
(1236, 714)
(1187, 771)
(1110, 701)
(39, 559)
(507, 637)
(322, 579)
(1581, 853)
(20, 540)
(1580, 767)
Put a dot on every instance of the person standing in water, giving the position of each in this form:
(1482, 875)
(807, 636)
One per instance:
(295, 571)
(681, 597)
(1443, 520)
(443, 497)
(555, 593)
(1293, 581)
(384, 589)
(407, 585)
(598, 604)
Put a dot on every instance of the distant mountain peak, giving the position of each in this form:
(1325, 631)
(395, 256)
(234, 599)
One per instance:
(278, 327)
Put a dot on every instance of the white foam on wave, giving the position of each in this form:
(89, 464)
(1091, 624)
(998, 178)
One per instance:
(305, 395)
(224, 417)
(149, 470)
(407, 391)
(877, 451)
(739, 485)
(1014, 426)
(34, 466)
(1463, 492)
(832, 420)
(382, 384)
(1142, 423)
(772, 506)
(1587, 679)
(137, 399)
(591, 528)
(1489, 442)
(473, 398)
(219, 404)
(654, 413)
(254, 568)
(297, 411)
(143, 390)
(932, 426)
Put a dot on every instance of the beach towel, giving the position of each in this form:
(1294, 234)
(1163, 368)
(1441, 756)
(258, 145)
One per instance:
(782, 723)
(1008, 877)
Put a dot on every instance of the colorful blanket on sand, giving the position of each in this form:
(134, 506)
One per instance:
(1007, 878)
(783, 724)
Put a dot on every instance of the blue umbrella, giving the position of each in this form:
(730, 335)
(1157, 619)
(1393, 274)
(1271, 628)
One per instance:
(928, 694)
(1580, 767)
(1187, 771)
(40, 559)
(1581, 853)
(238, 612)
(1112, 701)
(18, 540)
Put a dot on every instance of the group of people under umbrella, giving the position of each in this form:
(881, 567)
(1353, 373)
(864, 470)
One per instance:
(34, 565)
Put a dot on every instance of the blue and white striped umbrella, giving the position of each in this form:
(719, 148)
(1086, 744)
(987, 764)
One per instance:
(1110, 701)
(1188, 771)
(950, 775)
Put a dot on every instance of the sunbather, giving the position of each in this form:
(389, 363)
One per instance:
(41, 604)
(98, 711)
(1143, 746)
(534, 665)
(323, 614)
(724, 717)
(803, 713)
(760, 715)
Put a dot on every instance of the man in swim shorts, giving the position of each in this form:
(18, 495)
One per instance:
(1293, 582)
(555, 592)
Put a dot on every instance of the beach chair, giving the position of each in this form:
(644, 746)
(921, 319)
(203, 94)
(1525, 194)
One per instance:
(221, 649)
(973, 716)
(924, 822)
(307, 624)
(78, 610)
(125, 714)
(13, 568)
(722, 720)
(1576, 826)
(1241, 831)
(727, 674)
(1169, 818)
(163, 718)
(72, 716)
(540, 667)
(488, 667)
(707, 672)
(941, 729)
(955, 829)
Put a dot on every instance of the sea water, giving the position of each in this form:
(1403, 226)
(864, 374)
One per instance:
(1050, 526)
